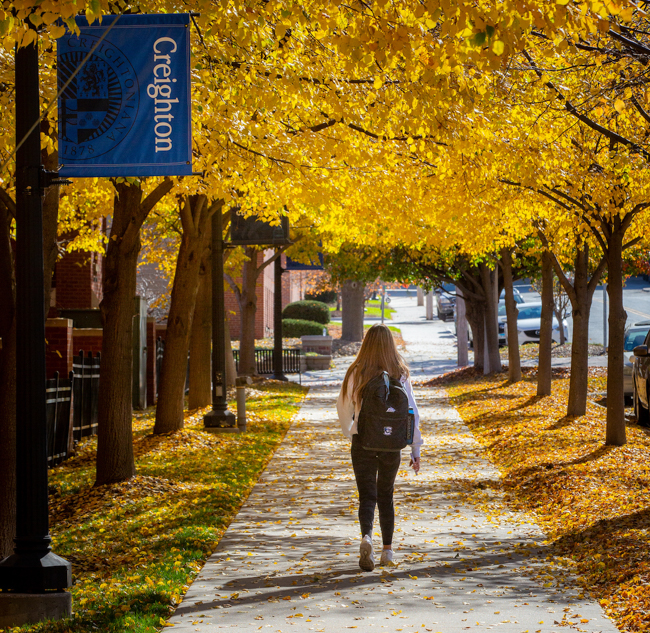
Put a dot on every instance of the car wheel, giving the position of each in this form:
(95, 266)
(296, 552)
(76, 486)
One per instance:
(641, 413)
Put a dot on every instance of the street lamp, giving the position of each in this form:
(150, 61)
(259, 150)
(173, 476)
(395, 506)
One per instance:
(33, 578)
(220, 419)
(278, 373)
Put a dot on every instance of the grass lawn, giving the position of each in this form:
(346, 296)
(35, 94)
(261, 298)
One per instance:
(136, 546)
(373, 308)
(592, 500)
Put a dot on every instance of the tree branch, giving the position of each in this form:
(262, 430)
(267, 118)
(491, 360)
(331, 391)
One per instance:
(571, 109)
(8, 201)
(155, 196)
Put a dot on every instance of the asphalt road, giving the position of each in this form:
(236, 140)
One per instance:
(636, 299)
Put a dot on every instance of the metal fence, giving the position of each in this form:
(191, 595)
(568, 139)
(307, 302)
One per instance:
(264, 361)
(85, 391)
(58, 416)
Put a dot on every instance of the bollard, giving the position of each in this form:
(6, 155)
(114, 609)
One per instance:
(240, 386)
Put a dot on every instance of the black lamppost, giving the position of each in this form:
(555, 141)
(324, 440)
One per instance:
(278, 374)
(220, 419)
(33, 568)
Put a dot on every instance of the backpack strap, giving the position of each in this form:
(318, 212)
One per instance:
(387, 383)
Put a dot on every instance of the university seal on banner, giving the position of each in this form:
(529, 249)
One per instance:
(100, 105)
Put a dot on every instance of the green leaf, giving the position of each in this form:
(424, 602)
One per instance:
(478, 39)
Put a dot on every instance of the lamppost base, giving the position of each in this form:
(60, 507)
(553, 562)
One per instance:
(35, 572)
(17, 609)
(217, 421)
(278, 377)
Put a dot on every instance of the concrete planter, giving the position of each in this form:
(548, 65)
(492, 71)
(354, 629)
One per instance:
(317, 343)
(320, 362)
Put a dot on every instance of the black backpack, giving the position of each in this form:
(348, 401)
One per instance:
(385, 422)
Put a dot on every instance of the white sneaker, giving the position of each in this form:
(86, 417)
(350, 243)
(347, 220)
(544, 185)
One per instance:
(386, 558)
(366, 554)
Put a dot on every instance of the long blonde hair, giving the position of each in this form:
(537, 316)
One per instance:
(378, 353)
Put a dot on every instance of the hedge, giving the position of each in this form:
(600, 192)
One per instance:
(294, 328)
(307, 311)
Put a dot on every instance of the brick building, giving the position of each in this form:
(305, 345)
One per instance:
(78, 280)
(292, 290)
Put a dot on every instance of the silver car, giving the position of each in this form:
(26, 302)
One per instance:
(635, 334)
(529, 322)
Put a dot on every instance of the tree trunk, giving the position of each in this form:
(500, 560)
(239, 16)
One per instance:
(201, 338)
(488, 279)
(615, 434)
(171, 390)
(50, 226)
(115, 460)
(581, 308)
(7, 388)
(558, 317)
(248, 308)
(544, 374)
(475, 312)
(514, 362)
(352, 306)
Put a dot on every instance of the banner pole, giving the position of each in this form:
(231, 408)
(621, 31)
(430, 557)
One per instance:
(33, 569)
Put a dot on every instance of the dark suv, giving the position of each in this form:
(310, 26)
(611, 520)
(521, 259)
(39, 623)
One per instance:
(641, 381)
(446, 301)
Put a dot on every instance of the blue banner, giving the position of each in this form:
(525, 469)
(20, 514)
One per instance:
(294, 265)
(127, 112)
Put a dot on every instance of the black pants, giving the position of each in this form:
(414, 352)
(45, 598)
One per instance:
(375, 472)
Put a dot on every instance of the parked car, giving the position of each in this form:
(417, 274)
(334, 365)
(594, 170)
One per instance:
(502, 316)
(529, 322)
(635, 334)
(518, 296)
(446, 301)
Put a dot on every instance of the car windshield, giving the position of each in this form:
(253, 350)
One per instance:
(635, 337)
(502, 309)
(529, 312)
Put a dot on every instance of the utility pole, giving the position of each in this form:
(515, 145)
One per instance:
(220, 419)
(605, 317)
(429, 306)
(461, 329)
(34, 578)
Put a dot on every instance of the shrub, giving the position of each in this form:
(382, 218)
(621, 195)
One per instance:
(300, 327)
(307, 311)
(327, 296)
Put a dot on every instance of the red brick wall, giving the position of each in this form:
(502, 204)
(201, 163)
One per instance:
(78, 280)
(152, 336)
(87, 339)
(58, 349)
(264, 293)
(286, 283)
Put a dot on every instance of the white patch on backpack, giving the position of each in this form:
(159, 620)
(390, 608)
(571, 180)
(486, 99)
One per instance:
(388, 430)
(390, 410)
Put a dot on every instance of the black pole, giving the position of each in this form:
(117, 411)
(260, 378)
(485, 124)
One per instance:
(33, 568)
(278, 374)
(219, 417)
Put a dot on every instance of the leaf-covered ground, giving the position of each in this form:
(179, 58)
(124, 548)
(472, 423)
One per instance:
(136, 546)
(593, 501)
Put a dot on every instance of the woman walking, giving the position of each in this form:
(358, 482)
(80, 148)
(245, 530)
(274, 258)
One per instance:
(375, 470)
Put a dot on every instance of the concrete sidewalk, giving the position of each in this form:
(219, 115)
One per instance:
(289, 561)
